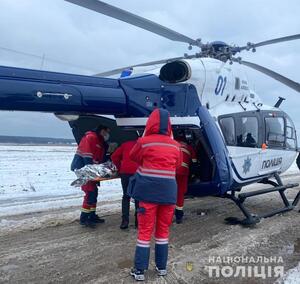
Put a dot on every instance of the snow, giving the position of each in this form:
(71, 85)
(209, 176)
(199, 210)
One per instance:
(37, 178)
(51, 219)
(291, 277)
(35, 191)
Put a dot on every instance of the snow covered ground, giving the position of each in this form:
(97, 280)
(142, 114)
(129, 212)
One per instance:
(37, 178)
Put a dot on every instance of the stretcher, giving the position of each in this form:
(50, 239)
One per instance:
(96, 173)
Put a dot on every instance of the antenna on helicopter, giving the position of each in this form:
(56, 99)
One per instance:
(279, 102)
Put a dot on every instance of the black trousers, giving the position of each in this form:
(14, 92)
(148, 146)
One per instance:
(126, 198)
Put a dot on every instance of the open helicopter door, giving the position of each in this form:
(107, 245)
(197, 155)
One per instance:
(214, 144)
(88, 122)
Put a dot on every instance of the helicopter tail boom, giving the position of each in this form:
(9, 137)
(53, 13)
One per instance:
(34, 90)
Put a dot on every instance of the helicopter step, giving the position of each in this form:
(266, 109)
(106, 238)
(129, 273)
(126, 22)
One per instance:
(252, 219)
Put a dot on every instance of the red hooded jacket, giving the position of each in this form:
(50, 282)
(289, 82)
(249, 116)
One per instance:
(91, 150)
(122, 160)
(158, 156)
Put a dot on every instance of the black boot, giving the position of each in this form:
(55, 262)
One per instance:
(96, 219)
(124, 224)
(85, 220)
(179, 216)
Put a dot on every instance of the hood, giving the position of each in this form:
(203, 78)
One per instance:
(158, 123)
(93, 132)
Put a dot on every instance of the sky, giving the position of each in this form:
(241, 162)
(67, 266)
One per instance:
(75, 40)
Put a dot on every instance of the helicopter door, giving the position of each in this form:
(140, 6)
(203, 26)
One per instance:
(244, 148)
(272, 158)
(222, 176)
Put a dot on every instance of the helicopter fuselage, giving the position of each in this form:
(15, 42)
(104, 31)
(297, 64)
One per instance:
(224, 90)
(215, 102)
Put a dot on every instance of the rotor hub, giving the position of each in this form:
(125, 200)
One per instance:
(218, 50)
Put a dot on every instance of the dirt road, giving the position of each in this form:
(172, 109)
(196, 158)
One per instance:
(64, 252)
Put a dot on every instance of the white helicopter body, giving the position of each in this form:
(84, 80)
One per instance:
(225, 90)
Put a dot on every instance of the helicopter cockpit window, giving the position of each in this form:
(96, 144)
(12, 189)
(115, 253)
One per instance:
(290, 134)
(248, 132)
(275, 132)
(228, 129)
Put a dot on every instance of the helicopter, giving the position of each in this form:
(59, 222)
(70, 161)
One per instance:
(240, 140)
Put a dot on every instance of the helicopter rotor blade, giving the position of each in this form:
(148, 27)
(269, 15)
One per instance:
(130, 18)
(282, 79)
(268, 42)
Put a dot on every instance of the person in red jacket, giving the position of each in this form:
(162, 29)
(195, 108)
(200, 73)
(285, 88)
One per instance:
(154, 186)
(91, 150)
(189, 156)
(126, 168)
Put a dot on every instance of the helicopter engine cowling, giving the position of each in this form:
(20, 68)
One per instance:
(175, 72)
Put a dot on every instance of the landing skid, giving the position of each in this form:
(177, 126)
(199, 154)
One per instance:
(252, 219)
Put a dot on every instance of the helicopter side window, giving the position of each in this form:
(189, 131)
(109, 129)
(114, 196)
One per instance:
(228, 129)
(275, 132)
(291, 139)
(248, 132)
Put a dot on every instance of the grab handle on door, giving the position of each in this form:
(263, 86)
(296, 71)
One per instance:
(40, 95)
